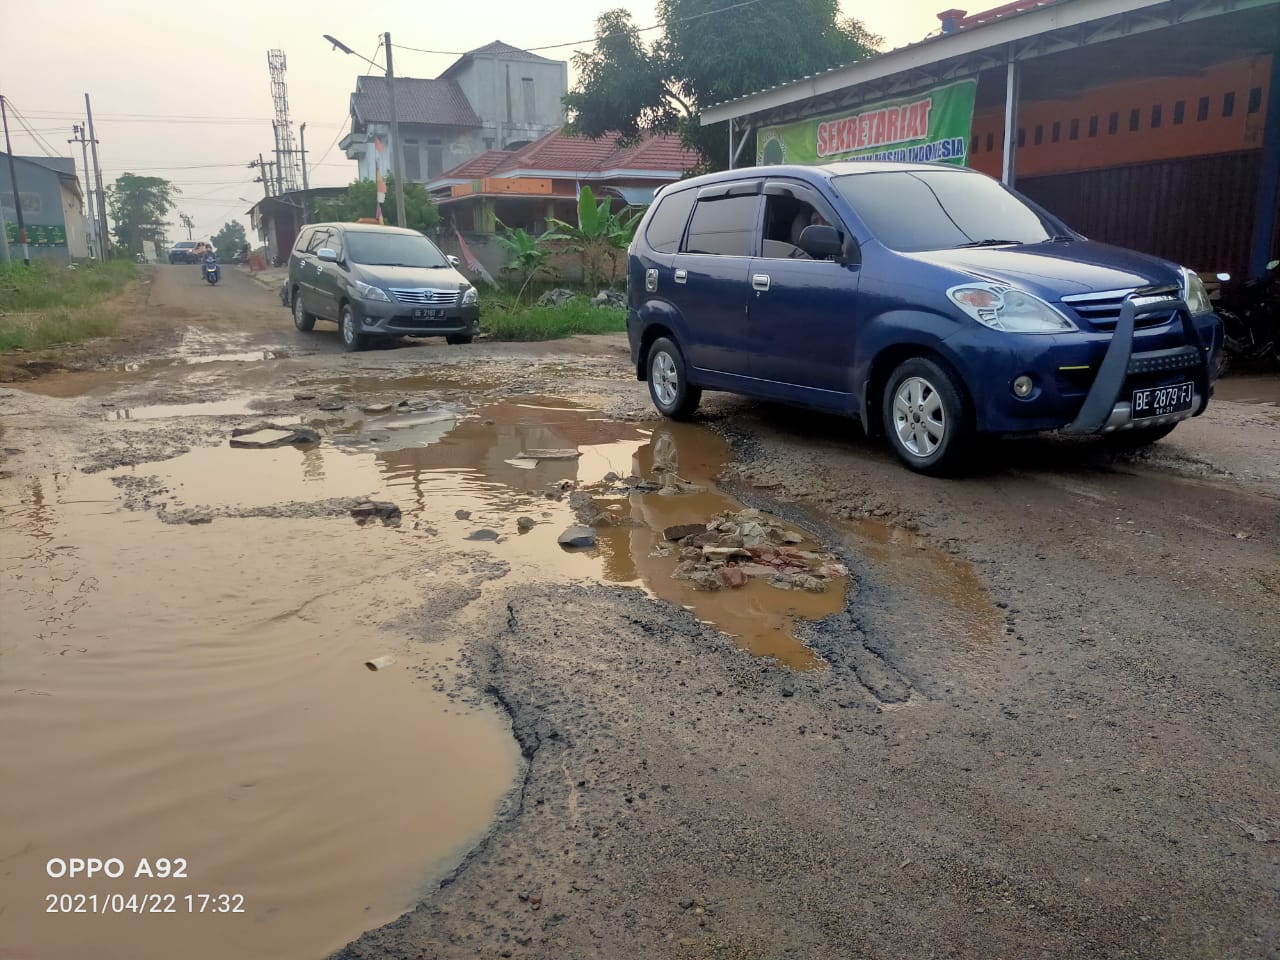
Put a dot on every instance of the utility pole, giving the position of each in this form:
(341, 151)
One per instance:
(264, 174)
(103, 240)
(78, 130)
(302, 150)
(4, 238)
(13, 175)
(398, 149)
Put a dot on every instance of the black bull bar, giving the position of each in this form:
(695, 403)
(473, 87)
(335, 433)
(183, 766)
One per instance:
(1120, 362)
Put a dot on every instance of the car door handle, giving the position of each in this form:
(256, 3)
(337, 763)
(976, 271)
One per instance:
(760, 281)
(682, 276)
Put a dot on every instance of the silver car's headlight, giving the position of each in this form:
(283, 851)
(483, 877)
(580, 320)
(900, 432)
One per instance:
(1008, 309)
(470, 296)
(367, 291)
(1194, 295)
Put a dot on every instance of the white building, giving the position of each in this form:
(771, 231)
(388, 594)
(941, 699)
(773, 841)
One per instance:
(493, 98)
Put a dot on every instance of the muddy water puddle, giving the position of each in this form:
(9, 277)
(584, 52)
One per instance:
(959, 599)
(198, 692)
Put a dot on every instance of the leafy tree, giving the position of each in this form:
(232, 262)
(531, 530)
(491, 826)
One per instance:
(139, 206)
(703, 57)
(528, 255)
(361, 200)
(599, 233)
(230, 239)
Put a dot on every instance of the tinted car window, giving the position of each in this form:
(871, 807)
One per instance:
(936, 209)
(667, 225)
(318, 240)
(393, 249)
(303, 239)
(724, 226)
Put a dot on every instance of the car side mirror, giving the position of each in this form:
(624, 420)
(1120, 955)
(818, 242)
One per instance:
(821, 240)
(327, 255)
(453, 261)
(1224, 277)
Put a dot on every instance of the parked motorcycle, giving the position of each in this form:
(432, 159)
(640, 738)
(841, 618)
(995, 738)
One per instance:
(211, 271)
(1250, 314)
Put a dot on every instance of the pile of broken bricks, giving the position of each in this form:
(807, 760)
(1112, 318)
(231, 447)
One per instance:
(736, 547)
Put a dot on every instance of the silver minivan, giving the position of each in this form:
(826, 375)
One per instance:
(375, 282)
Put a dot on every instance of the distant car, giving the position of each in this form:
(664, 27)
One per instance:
(929, 301)
(183, 252)
(378, 282)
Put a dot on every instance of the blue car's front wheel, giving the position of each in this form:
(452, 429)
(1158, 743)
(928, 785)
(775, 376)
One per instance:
(927, 416)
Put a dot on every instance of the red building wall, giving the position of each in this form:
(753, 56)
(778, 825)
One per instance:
(1218, 111)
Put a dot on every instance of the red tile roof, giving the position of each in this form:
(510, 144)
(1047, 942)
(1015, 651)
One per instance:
(559, 152)
(439, 102)
(477, 167)
(999, 13)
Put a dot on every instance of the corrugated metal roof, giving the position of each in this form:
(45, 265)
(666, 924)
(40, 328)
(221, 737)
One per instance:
(440, 102)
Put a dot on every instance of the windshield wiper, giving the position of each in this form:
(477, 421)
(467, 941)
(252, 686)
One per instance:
(986, 243)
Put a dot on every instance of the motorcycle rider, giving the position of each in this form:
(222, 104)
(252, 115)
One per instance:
(210, 261)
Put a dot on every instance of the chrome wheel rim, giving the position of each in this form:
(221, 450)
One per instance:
(665, 379)
(298, 312)
(348, 326)
(919, 417)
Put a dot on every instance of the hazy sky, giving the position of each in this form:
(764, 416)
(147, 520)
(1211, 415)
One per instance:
(146, 65)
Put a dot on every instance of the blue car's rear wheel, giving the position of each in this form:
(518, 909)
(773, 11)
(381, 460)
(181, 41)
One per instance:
(927, 416)
(669, 386)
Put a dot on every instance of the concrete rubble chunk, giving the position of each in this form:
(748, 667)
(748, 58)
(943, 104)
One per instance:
(388, 513)
(567, 453)
(723, 553)
(576, 537)
(376, 408)
(526, 523)
(265, 435)
(555, 298)
(682, 530)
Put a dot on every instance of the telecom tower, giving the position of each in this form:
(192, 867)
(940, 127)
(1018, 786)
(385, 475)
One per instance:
(288, 176)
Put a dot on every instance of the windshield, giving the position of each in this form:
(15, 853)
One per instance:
(913, 210)
(393, 250)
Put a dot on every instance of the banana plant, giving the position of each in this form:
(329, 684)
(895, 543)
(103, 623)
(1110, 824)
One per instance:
(600, 233)
(527, 253)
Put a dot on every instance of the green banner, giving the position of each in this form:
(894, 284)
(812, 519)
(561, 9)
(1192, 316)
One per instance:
(931, 126)
(38, 234)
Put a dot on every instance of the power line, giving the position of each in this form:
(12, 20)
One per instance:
(578, 43)
(161, 118)
(341, 126)
(41, 142)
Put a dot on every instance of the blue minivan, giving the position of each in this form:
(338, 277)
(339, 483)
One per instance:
(929, 301)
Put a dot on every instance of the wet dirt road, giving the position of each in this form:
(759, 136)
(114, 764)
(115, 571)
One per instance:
(1036, 718)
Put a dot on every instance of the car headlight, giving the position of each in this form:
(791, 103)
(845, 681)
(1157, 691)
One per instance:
(1008, 309)
(367, 291)
(1194, 295)
(470, 296)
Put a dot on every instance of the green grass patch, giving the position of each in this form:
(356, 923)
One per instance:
(503, 319)
(48, 303)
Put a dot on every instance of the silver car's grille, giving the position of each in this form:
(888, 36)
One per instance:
(1102, 310)
(427, 298)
